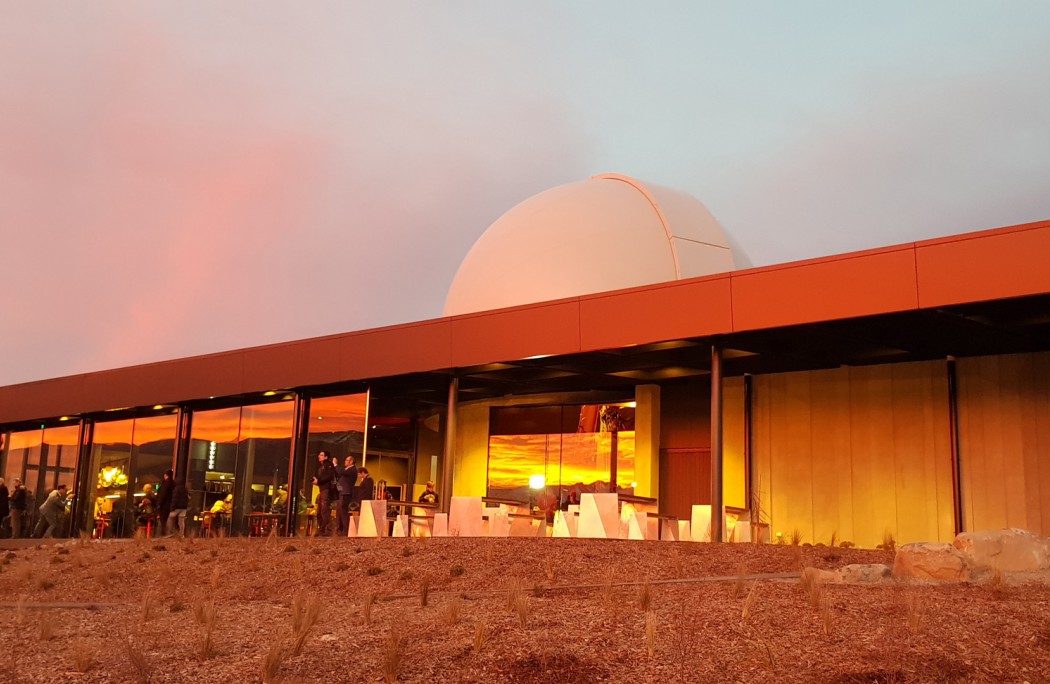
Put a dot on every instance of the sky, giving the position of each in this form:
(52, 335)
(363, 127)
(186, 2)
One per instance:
(192, 177)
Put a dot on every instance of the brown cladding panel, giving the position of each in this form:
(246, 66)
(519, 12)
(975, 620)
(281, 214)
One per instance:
(511, 334)
(656, 314)
(391, 351)
(868, 284)
(1010, 263)
(312, 362)
(685, 480)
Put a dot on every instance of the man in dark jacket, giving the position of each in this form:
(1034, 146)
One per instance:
(180, 502)
(167, 485)
(51, 513)
(366, 488)
(346, 483)
(18, 508)
(5, 509)
(323, 480)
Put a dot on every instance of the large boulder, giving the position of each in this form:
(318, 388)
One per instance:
(1009, 550)
(865, 573)
(931, 561)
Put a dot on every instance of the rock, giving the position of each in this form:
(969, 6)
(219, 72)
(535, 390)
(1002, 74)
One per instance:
(927, 560)
(866, 573)
(1009, 550)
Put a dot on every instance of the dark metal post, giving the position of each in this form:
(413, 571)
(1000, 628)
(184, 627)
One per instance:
(717, 519)
(297, 462)
(749, 465)
(182, 443)
(79, 515)
(449, 456)
(953, 426)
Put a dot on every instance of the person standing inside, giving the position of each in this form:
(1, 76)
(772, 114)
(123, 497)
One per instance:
(180, 502)
(429, 496)
(18, 508)
(167, 485)
(324, 480)
(51, 512)
(5, 509)
(346, 483)
(366, 487)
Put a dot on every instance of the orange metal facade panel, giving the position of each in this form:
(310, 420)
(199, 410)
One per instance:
(988, 266)
(391, 351)
(873, 283)
(656, 314)
(510, 334)
(310, 362)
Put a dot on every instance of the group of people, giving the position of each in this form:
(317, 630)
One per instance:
(166, 505)
(13, 504)
(344, 485)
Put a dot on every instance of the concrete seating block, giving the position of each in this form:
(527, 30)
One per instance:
(401, 524)
(669, 530)
(599, 517)
(499, 524)
(440, 525)
(561, 527)
(636, 526)
(701, 523)
(373, 519)
(684, 533)
(352, 527)
(464, 517)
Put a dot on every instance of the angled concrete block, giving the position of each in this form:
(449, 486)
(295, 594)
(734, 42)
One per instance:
(701, 523)
(684, 533)
(599, 517)
(464, 517)
(561, 528)
(499, 524)
(373, 519)
(636, 526)
(669, 530)
(352, 527)
(401, 524)
(440, 525)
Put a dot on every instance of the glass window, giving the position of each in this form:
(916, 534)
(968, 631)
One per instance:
(540, 452)
(238, 463)
(110, 470)
(337, 427)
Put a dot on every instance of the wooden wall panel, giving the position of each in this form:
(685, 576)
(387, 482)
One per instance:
(1004, 441)
(859, 452)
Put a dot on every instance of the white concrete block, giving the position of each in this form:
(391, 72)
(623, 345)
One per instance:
(352, 527)
(401, 524)
(464, 517)
(701, 523)
(599, 517)
(440, 525)
(684, 533)
(636, 526)
(561, 527)
(373, 519)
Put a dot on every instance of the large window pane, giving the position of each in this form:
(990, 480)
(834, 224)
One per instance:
(109, 508)
(337, 427)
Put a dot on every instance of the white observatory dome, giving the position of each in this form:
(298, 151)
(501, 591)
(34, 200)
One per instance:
(605, 233)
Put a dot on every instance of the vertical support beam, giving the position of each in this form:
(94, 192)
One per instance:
(80, 515)
(448, 458)
(647, 440)
(749, 466)
(953, 423)
(297, 462)
(368, 426)
(717, 519)
(181, 466)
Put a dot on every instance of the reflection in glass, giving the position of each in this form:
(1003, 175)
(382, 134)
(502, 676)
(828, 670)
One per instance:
(337, 427)
(126, 456)
(42, 459)
(570, 446)
(239, 452)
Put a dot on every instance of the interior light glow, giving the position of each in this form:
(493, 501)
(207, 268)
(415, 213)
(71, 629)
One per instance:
(211, 455)
(631, 404)
(64, 418)
(158, 407)
(270, 393)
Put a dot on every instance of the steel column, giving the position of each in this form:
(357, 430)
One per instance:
(717, 519)
(448, 457)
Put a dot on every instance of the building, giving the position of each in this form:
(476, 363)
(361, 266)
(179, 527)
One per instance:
(901, 391)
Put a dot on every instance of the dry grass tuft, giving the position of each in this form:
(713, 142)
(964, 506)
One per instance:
(749, 603)
(206, 615)
(827, 616)
(85, 653)
(393, 654)
(915, 612)
(366, 609)
(216, 577)
(888, 542)
(549, 569)
(996, 584)
(834, 539)
(676, 562)
(513, 594)
(607, 589)
(645, 597)
(650, 633)
(452, 610)
(521, 607)
(306, 610)
(740, 584)
(812, 586)
(271, 662)
(796, 537)
(480, 636)
(271, 538)
(20, 610)
(141, 667)
(424, 592)
(149, 602)
(46, 626)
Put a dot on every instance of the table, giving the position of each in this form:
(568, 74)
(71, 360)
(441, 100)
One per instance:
(260, 524)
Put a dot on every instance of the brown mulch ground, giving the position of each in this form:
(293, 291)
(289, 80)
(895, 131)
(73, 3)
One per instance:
(559, 632)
